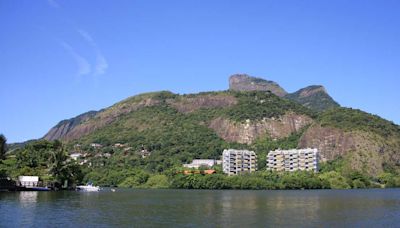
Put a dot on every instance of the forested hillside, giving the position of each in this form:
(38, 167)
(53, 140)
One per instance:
(153, 134)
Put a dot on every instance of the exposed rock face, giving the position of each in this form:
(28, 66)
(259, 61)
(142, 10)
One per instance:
(69, 130)
(314, 97)
(65, 126)
(251, 130)
(244, 82)
(331, 142)
(191, 104)
(366, 151)
(311, 90)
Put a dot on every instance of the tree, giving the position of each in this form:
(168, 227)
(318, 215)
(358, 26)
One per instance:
(61, 168)
(3, 147)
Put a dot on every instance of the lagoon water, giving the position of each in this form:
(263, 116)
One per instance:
(202, 208)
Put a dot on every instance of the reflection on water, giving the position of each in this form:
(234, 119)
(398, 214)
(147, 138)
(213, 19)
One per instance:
(192, 208)
(28, 198)
(286, 204)
(28, 201)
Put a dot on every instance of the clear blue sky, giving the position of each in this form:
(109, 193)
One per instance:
(60, 58)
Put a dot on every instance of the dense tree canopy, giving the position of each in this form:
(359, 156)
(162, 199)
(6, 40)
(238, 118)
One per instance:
(3, 146)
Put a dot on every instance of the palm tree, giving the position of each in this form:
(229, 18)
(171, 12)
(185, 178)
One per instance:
(62, 168)
(58, 165)
(3, 146)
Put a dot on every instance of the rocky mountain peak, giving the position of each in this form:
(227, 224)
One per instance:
(311, 90)
(244, 82)
(65, 126)
(315, 97)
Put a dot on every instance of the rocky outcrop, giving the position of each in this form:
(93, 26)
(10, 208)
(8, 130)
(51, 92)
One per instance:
(331, 142)
(191, 104)
(365, 151)
(314, 97)
(244, 82)
(64, 127)
(250, 130)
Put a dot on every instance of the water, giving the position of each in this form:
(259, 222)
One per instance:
(194, 208)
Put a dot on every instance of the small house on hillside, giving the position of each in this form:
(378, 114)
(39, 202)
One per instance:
(75, 156)
(96, 145)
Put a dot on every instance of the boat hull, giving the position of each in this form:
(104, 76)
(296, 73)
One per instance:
(85, 188)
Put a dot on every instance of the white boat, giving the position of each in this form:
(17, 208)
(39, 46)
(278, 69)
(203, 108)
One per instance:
(88, 188)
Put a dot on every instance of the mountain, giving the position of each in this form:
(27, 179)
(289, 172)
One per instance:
(65, 127)
(244, 82)
(314, 97)
(254, 114)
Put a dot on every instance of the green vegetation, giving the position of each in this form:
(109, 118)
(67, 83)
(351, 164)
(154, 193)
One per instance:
(256, 181)
(173, 138)
(319, 101)
(257, 105)
(353, 119)
(47, 160)
(3, 146)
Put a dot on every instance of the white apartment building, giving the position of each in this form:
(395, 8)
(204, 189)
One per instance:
(293, 160)
(238, 161)
(196, 163)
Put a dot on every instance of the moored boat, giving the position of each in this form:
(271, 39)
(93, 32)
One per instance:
(40, 189)
(88, 188)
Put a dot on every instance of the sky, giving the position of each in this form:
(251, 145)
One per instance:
(61, 58)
